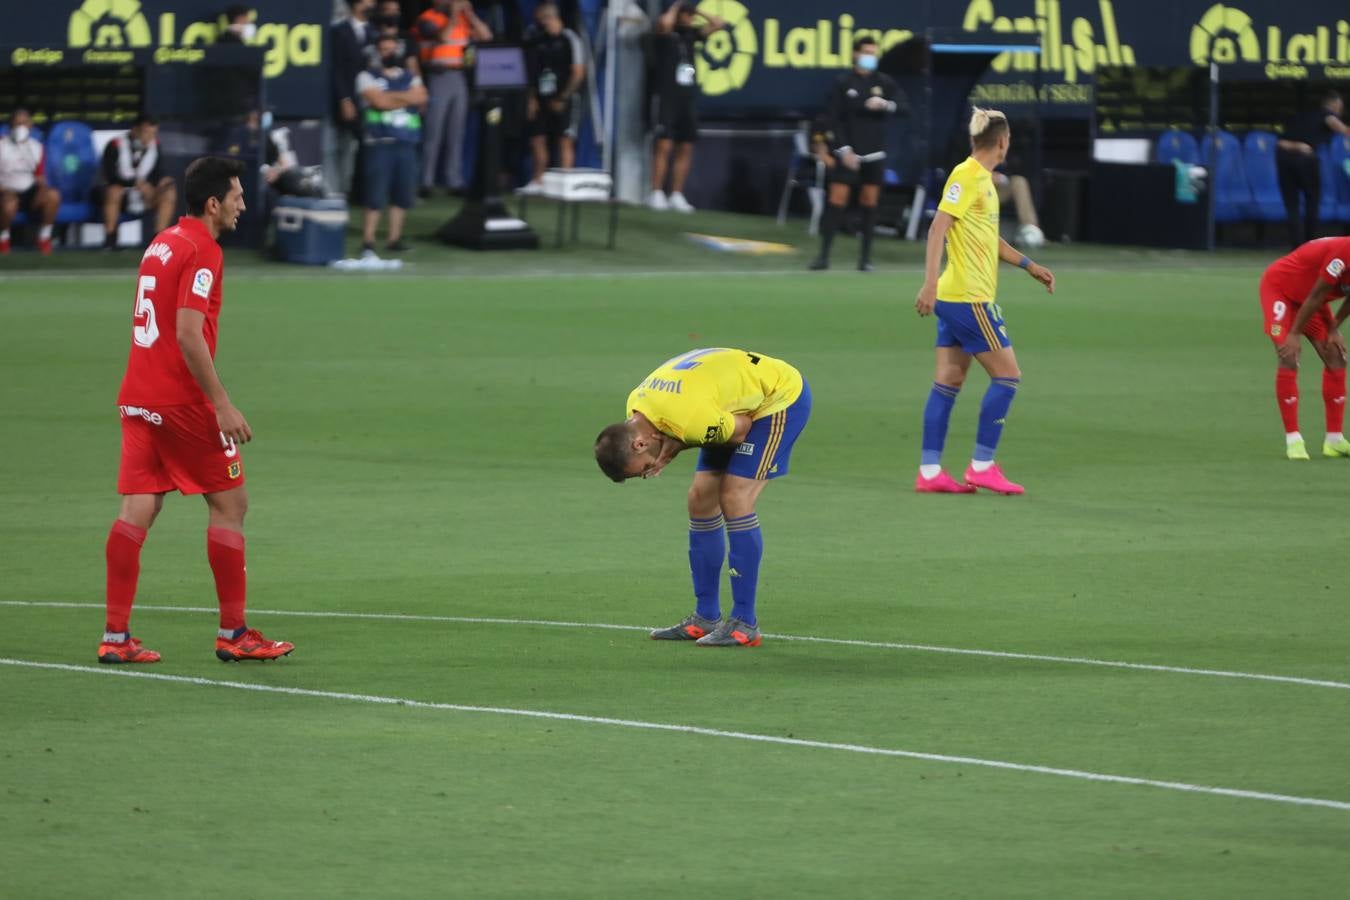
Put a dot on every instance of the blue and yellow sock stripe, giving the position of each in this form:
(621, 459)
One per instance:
(777, 425)
(744, 523)
(981, 313)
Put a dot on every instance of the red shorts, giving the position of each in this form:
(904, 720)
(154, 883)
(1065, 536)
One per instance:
(1279, 312)
(176, 448)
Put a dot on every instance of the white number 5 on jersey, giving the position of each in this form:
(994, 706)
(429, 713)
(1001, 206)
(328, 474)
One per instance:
(146, 332)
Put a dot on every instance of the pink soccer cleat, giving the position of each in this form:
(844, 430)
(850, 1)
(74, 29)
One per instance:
(991, 479)
(941, 483)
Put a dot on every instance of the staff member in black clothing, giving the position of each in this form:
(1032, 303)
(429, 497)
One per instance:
(557, 72)
(132, 179)
(860, 103)
(675, 101)
(1298, 167)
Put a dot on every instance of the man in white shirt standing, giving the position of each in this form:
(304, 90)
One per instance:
(23, 183)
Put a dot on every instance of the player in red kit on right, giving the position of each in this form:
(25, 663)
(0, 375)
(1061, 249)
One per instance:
(179, 429)
(1295, 292)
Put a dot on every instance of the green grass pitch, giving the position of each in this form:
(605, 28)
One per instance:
(423, 450)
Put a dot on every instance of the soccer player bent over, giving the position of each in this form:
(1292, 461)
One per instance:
(179, 429)
(969, 322)
(1295, 292)
(745, 411)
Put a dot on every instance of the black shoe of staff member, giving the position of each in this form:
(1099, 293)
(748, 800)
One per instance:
(819, 264)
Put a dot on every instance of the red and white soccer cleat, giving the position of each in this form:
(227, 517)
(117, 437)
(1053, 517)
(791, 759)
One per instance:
(941, 483)
(44, 246)
(4, 246)
(251, 645)
(128, 651)
(991, 479)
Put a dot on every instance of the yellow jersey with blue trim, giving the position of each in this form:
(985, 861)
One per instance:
(971, 275)
(696, 396)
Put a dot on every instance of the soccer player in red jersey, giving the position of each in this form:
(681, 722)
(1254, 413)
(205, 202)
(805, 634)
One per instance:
(179, 429)
(1295, 292)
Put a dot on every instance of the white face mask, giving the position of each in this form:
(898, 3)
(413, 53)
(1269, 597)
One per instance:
(20, 133)
(247, 32)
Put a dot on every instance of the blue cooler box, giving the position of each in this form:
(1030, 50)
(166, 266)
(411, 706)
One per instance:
(310, 230)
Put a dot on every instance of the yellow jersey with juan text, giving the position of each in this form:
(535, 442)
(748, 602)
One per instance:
(970, 198)
(696, 396)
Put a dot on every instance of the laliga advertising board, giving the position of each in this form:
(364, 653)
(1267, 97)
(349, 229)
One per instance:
(290, 32)
(775, 52)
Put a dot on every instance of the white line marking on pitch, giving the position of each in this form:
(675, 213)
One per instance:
(843, 642)
(695, 729)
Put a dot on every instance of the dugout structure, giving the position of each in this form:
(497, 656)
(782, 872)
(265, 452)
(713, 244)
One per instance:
(205, 99)
(1151, 125)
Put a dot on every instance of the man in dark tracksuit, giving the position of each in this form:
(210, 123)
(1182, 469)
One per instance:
(860, 103)
(1298, 166)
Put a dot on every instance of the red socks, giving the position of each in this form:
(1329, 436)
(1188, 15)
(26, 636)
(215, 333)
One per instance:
(1286, 392)
(225, 551)
(124, 568)
(1333, 395)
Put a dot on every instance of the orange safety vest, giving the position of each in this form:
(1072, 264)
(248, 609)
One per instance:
(442, 53)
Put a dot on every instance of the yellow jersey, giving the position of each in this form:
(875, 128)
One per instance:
(971, 275)
(696, 396)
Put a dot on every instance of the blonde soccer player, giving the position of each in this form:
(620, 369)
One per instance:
(969, 322)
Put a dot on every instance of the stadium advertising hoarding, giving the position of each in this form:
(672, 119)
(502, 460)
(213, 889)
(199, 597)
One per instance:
(290, 33)
(773, 50)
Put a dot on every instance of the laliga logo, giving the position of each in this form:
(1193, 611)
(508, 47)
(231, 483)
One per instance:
(728, 55)
(1224, 34)
(109, 23)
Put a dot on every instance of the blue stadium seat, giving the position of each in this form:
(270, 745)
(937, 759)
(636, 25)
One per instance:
(1335, 169)
(1232, 194)
(1329, 211)
(71, 165)
(1258, 156)
(1177, 146)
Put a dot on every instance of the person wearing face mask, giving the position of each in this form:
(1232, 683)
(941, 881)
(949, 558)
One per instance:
(132, 179)
(389, 21)
(557, 74)
(23, 185)
(860, 103)
(391, 97)
(444, 34)
(239, 26)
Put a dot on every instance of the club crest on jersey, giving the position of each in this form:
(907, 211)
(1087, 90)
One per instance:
(1276, 330)
(711, 433)
(201, 283)
(234, 470)
(953, 192)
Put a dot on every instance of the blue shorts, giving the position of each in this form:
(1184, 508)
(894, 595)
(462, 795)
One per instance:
(389, 173)
(767, 448)
(974, 327)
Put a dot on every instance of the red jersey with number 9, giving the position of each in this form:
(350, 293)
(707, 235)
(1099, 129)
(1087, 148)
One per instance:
(1293, 276)
(181, 269)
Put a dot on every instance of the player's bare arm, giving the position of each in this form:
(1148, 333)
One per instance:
(1010, 254)
(198, 358)
(932, 262)
(1320, 294)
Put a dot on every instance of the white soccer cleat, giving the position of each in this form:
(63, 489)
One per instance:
(533, 189)
(679, 204)
(658, 202)
(1030, 237)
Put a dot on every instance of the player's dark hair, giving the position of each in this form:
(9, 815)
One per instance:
(238, 11)
(145, 119)
(14, 116)
(612, 449)
(864, 41)
(209, 177)
(986, 127)
(1331, 95)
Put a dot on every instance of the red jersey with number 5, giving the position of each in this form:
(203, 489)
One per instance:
(1293, 276)
(180, 269)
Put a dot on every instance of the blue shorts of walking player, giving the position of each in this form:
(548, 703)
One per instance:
(974, 327)
(766, 450)
(389, 172)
